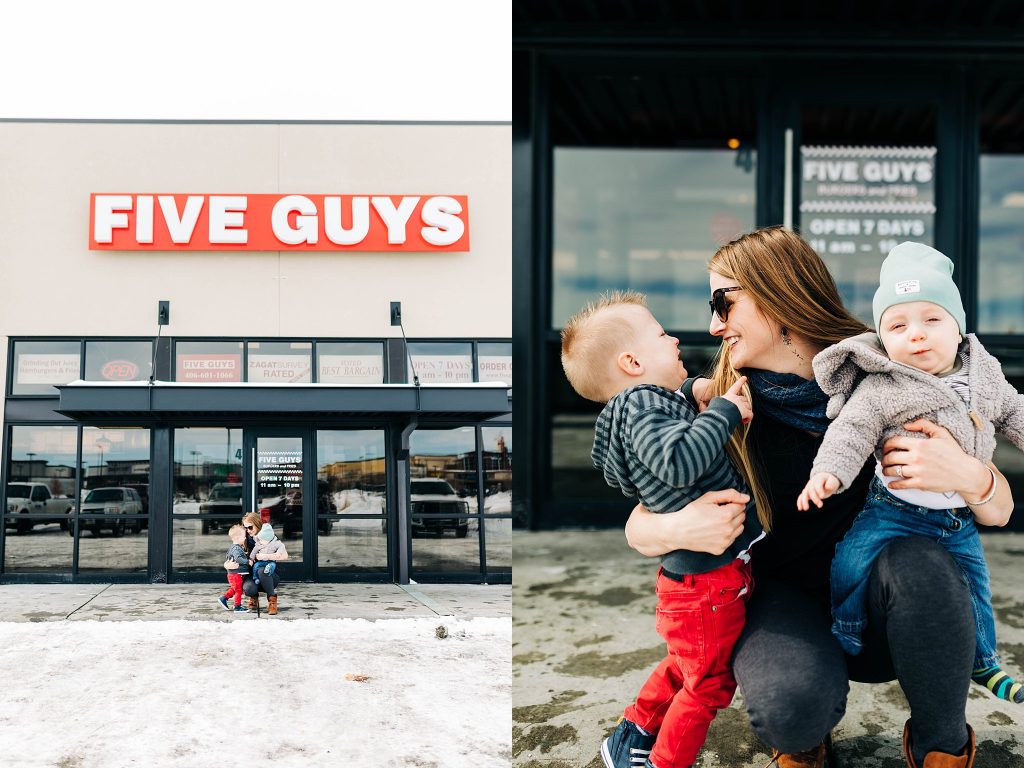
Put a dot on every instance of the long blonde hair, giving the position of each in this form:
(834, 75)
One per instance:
(790, 284)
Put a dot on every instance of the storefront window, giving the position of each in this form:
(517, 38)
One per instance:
(351, 488)
(113, 519)
(494, 362)
(118, 360)
(1001, 244)
(442, 362)
(40, 499)
(648, 220)
(497, 460)
(208, 361)
(40, 365)
(207, 489)
(350, 363)
(280, 362)
(443, 498)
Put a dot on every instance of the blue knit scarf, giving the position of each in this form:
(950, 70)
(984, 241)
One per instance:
(789, 398)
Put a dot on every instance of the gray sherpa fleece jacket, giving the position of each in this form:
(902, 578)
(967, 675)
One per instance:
(871, 397)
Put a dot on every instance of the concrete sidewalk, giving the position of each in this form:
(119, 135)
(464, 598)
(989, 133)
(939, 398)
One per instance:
(584, 642)
(159, 602)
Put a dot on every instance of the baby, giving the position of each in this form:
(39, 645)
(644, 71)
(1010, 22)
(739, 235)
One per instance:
(651, 442)
(919, 365)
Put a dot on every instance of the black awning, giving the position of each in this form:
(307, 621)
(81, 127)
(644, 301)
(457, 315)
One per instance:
(140, 402)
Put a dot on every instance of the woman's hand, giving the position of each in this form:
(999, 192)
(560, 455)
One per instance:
(230, 565)
(708, 524)
(939, 464)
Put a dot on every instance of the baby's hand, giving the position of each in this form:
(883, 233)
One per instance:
(736, 397)
(818, 488)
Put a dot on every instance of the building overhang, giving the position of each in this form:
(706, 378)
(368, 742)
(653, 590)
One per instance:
(160, 402)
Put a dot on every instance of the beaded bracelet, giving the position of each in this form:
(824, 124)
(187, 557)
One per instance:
(988, 496)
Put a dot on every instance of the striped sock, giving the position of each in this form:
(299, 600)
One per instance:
(1000, 683)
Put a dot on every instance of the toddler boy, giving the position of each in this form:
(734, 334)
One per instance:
(237, 554)
(651, 442)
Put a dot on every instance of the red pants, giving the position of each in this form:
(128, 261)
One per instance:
(235, 587)
(700, 619)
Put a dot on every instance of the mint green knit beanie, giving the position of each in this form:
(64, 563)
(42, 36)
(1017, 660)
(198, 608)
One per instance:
(917, 272)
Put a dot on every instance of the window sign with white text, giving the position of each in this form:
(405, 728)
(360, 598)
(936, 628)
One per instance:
(350, 363)
(494, 362)
(41, 365)
(857, 203)
(208, 361)
(442, 362)
(280, 362)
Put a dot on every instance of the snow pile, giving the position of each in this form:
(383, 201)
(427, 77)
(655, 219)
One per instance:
(163, 694)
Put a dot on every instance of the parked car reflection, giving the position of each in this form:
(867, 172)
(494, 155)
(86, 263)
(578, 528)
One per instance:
(224, 499)
(106, 508)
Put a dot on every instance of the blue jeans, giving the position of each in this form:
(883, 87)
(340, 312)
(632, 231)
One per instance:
(885, 518)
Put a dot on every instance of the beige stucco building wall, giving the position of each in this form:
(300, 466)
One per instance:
(54, 285)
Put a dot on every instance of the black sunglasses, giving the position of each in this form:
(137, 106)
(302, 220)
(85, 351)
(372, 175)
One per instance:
(718, 303)
(250, 527)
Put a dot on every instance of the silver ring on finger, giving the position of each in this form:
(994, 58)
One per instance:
(899, 470)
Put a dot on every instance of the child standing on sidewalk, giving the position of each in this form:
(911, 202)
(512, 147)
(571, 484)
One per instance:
(236, 553)
(651, 442)
(921, 364)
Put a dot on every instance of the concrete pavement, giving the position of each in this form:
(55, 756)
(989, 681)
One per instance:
(584, 642)
(160, 602)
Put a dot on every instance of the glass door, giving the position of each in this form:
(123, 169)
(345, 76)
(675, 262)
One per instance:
(277, 487)
(863, 166)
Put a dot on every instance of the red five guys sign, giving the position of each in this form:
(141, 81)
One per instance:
(209, 222)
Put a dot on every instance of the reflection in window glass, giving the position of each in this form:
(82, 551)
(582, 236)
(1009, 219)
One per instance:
(39, 365)
(39, 499)
(443, 493)
(350, 464)
(648, 220)
(437, 553)
(350, 363)
(494, 362)
(280, 362)
(114, 499)
(351, 477)
(208, 361)
(118, 360)
(442, 362)
(443, 468)
(207, 494)
(1001, 244)
(497, 458)
(498, 534)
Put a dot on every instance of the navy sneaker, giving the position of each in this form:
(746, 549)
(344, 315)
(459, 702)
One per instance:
(241, 609)
(223, 603)
(627, 747)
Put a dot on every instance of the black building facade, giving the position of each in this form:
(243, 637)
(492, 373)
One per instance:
(647, 135)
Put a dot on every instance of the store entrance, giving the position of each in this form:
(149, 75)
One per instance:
(278, 486)
(862, 172)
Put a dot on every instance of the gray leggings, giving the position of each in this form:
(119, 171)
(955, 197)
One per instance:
(795, 677)
(267, 584)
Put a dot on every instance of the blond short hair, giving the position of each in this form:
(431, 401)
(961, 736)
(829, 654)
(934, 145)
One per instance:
(592, 339)
(236, 527)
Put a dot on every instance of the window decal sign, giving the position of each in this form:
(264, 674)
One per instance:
(866, 199)
(211, 222)
(209, 367)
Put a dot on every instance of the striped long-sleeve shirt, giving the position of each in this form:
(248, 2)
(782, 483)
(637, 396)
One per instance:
(653, 444)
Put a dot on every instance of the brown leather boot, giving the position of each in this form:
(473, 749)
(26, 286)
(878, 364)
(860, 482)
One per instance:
(813, 758)
(252, 603)
(810, 758)
(272, 605)
(940, 759)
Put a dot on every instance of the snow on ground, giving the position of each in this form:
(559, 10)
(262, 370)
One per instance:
(87, 694)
